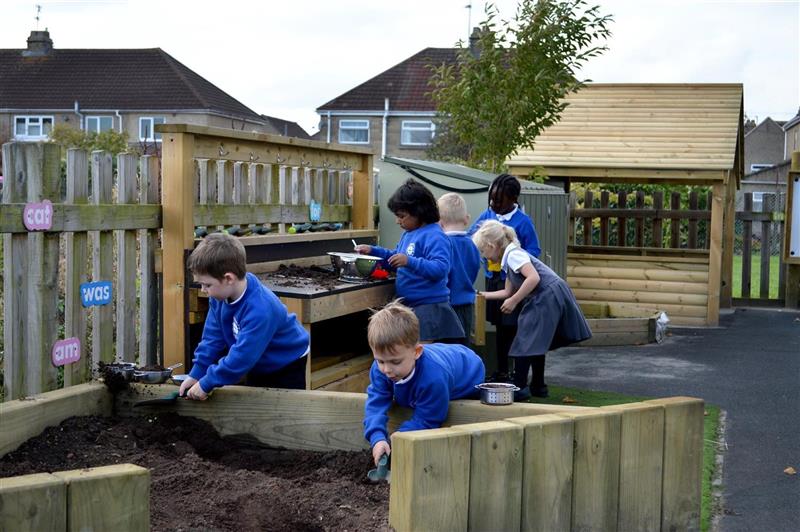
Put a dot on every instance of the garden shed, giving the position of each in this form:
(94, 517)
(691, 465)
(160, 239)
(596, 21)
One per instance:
(685, 135)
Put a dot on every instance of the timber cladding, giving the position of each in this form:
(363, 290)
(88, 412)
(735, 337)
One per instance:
(675, 285)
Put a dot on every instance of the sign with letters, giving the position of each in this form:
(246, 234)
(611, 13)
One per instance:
(96, 293)
(66, 352)
(314, 211)
(38, 216)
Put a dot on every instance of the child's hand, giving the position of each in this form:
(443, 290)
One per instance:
(398, 260)
(508, 305)
(196, 393)
(185, 385)
(364, 249)
(381, 448)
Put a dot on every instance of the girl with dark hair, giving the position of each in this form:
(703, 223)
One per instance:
(503, 207)
(422, 260)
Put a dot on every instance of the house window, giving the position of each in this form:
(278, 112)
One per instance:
(354, 131)
(98, 124)
(416, 132)
(759, 166)
(146, 131)
(32, 127)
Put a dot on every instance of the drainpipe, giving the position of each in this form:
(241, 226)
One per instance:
(120, 120)
(80, 115)
(329, 127)
(385, 120)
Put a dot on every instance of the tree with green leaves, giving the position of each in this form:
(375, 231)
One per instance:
(69, 137)
(492, 102)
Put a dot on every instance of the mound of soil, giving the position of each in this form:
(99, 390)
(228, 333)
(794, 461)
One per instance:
(200, 480)
(300, 277)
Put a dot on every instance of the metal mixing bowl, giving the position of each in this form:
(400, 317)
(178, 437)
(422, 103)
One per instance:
(352, 266)
(497, 393)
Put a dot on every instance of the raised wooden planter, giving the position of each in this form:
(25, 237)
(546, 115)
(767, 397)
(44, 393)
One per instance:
(620, 324)
(522, 466)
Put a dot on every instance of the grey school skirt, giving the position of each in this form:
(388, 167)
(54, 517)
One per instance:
(438, 321)
(550, 318)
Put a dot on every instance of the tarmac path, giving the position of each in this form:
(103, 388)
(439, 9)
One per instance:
(750, 367)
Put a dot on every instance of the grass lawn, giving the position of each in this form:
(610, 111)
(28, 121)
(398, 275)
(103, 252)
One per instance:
(755, 276)
(710, 432)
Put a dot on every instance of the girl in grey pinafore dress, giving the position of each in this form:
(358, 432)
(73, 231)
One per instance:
(548, 317)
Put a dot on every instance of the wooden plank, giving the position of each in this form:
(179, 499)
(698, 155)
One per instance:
(150, 185)
(275, 238)
(640, 297)
(606, 173)
(692, 237)
(115, 497)
(685, 257)
(671, 287)
(766, 241)
(595, 481)
(638, 237)
(658, 230)
(604, 197)
(356, 383)
(587, 220)
(479, 335)
(177, 237)
(728, 229)
(15, 277)
(86, 218)
(622, 229)
(363, 195)
(650, 274)
(346, 303)
(44, 178)
(605, 325)
(495, 475)
(32, 503)
(340, 371)
(126, 264)
(224, 214)
(715, 255)
(675, 222)
(683, 462)
(617, 338)
(77, 272)
(102, 260)
(547, 472)
(430, 480)
(26, 418)
(640, 466)
(747, 250)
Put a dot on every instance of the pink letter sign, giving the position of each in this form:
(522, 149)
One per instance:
(38, 216)
(66, 352)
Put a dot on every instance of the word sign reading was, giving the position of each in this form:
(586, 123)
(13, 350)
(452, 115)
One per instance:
(96, 293)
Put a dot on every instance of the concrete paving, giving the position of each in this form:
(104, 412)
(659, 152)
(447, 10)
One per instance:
(749, 367)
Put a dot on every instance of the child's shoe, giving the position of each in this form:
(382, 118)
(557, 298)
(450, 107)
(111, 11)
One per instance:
(522, 395)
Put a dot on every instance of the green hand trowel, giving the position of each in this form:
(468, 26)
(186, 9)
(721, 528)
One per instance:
(381, 472)
(166, 400)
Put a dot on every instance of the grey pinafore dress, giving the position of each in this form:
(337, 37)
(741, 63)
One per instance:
(549, 317)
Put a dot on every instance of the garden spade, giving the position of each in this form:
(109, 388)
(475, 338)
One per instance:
(166, 400)
(381, 472)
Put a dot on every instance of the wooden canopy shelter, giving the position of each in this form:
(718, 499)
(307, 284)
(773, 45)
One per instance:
(671, 134)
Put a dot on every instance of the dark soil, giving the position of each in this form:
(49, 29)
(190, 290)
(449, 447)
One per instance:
(298, 276)
(200, 480)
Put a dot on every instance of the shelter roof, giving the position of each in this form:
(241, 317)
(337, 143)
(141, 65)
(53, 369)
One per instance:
(642, 133)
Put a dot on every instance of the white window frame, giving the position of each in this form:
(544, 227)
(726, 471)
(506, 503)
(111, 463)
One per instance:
(98, 119)
(755, 167)
(154, 135)
(357, 125)
(407, 126)
(33, 120)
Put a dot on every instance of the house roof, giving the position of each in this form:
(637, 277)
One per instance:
(113, 79)
(286, 127)
(791, 123)
(659, 132)
(405, 84)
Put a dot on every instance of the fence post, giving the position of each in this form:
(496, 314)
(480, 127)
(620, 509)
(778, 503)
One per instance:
(622, 229)
(587, 221)
(658, 205)
(639, 231)
(363, 195)
(604, 219)
(102, 260)
(675, 222)
(747, 242)
(792, 270)
(767, 206)
(149, 185)
(126, 263)
(692, 239)
(76, 266)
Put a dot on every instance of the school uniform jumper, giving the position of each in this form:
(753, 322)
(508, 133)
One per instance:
(464, 267)
(442, 373)
(422, 283)
(253, 335)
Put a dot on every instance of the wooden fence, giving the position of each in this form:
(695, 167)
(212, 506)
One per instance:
(762, 235)
(103, 229)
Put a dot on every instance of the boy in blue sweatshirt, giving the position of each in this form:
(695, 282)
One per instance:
(248, 331)
(422, 377)
(465, 261)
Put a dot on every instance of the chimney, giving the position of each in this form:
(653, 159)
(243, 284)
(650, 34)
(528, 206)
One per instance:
(39, 43)
(474, 44)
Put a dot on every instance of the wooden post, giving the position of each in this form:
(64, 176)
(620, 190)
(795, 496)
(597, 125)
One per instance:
(683, 462)
(692, 238)
(363, 196)
(729, 227)
(767, 204)
(604, 196)
(622, 229)
(102, 260)
(479, 337)
(33, 502)
(150, 184)
(547, 477)
(658, 231)
(43, 169)
(177, 239)
(495, 475)
(587, 221)
(126, 263)
(792, 268)
(430, 480)
(715, 255)
(675, 222)
(747, 242)
(76, 272)
(113, 497)
(639, 230)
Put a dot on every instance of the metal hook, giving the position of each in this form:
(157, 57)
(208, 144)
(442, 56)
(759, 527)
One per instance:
(222, 151)
(279, 159)
(303, 162)
(326, 164)
(253, 157)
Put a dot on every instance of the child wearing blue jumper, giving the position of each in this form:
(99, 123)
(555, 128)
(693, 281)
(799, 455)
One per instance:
(248, 331)
(549, 316)
(422, 260)
(422, 377)
(466, 259)
(503, 207)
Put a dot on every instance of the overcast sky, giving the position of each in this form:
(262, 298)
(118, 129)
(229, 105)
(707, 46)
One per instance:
(285, 59)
